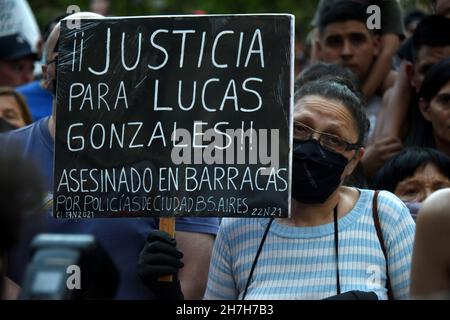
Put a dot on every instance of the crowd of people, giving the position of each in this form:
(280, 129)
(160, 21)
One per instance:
(371, 159)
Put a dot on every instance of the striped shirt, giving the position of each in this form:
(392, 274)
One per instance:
(300, 262)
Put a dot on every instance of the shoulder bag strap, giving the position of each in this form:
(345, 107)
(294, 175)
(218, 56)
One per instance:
(376, 220)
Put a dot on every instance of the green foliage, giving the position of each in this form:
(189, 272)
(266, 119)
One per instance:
(302, 9)
(45, 10)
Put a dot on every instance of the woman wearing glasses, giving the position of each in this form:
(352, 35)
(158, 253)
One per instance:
(338, 239)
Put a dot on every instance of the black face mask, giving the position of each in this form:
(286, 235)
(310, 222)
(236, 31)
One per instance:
(316, 172)
(6, 126)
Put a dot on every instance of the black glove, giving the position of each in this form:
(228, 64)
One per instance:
(354, 295)
(160, 257)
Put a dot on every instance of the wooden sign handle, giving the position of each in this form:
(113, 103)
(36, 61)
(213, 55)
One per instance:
(167, 225)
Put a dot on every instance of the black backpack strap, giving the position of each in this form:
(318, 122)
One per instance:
(376, 220)
(255, 261)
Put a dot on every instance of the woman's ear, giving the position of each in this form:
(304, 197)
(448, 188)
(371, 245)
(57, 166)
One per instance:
(360, 152)
(353, 163)
(424, 107)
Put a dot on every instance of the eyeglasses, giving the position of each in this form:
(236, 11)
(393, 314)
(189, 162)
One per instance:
(329, 141)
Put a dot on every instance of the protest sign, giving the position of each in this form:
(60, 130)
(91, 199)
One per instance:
(174, 116)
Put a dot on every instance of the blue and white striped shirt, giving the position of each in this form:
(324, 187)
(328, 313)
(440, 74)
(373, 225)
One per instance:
(300, 262)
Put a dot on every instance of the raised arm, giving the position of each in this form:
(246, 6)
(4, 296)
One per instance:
(397, 106)
(377, 77)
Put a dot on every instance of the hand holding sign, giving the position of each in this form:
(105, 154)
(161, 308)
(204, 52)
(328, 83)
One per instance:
(160, 257)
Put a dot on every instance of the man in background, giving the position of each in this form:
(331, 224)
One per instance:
(16, 60)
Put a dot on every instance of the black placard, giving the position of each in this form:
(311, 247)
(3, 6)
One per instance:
(174, 116)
